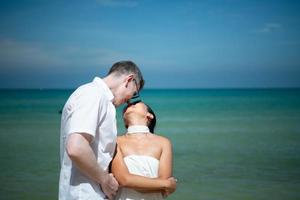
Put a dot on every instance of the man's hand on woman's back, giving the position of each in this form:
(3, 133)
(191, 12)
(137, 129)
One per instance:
(109, 186)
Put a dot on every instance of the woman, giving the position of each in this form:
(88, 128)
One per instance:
(143, 161)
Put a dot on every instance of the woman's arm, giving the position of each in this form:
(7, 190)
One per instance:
(166, 159)
(166, 164)
(139, 183)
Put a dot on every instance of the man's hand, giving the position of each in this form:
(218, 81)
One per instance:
(109, 186)
(171, 187)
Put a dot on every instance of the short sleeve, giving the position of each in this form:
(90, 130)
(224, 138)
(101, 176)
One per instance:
(85, 112)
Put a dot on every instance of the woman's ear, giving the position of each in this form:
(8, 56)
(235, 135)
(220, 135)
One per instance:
(150, 116)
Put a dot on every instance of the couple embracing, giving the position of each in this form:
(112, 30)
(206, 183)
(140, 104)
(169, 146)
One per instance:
(95, 163)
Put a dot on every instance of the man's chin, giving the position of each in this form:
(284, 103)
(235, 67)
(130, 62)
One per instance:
(118, 103)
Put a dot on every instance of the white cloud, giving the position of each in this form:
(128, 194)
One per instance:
(269, 27)
(118, 3)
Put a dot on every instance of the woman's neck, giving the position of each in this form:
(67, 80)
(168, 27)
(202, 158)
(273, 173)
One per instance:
(137, 121)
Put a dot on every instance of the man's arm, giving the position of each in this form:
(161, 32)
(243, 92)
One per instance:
(80, 152)
(139, 183)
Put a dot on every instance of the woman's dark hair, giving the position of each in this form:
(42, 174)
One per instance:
(152, 123)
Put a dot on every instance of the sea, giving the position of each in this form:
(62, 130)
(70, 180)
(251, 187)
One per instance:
(228, 144)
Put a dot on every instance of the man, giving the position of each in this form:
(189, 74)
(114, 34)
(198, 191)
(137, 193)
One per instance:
(88, 133)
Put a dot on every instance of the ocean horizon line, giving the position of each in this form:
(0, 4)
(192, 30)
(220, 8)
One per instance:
(192, 88)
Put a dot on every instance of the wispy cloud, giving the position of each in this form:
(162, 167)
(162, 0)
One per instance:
(14, 53)
(118, 3)
(269, 27)
(19, 55)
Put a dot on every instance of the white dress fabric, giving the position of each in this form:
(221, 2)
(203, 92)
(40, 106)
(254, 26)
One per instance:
(144, 166)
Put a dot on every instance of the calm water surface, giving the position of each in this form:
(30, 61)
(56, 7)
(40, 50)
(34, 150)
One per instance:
(228, 144)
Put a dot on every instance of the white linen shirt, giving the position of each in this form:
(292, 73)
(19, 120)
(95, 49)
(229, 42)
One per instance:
(88, 110)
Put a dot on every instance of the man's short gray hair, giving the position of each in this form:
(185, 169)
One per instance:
(128, 67)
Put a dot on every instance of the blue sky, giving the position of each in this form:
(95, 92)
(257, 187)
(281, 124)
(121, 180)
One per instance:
(177, 44)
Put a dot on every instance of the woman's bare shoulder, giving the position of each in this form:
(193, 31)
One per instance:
(121, 139)
(162, 139)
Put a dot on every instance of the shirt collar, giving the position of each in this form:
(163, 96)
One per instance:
(102, 84)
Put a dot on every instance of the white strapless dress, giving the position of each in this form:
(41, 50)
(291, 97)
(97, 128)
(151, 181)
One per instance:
(144, 166)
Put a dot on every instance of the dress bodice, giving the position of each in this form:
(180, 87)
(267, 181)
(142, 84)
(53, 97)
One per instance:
(143, 166)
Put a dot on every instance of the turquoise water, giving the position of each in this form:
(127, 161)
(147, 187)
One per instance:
(228, 144)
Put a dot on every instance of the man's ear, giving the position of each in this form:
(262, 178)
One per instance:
(127, 79)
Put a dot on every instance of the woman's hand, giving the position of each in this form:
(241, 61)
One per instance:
(170, 187)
